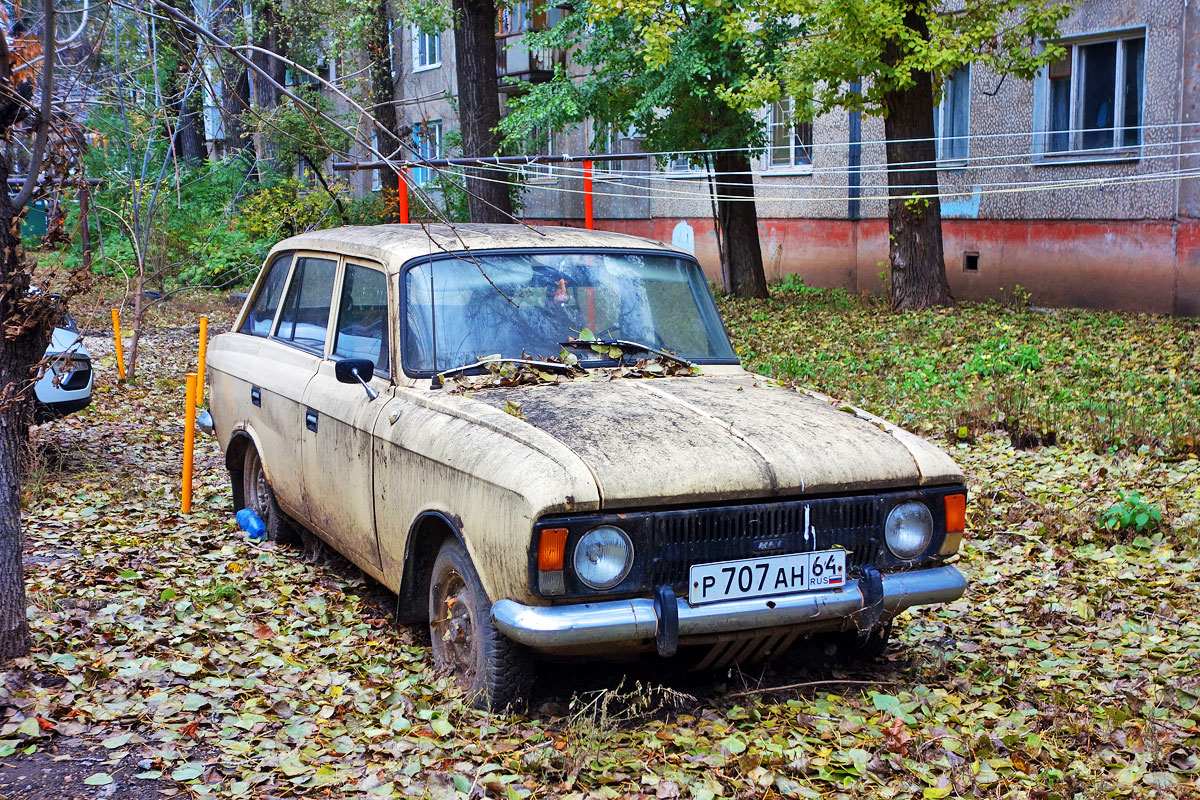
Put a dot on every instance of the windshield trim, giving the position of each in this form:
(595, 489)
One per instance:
(501, 251)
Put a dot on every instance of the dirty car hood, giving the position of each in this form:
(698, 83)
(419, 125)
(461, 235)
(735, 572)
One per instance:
(708, 438)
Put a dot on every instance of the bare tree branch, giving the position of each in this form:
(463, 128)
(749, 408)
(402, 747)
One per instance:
(43, 126)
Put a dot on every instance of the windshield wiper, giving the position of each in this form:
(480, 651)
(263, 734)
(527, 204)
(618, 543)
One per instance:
(626, 344)
(436, 382)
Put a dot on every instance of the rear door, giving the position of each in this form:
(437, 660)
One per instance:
(258, 378)
(285, 364)
(340, 417)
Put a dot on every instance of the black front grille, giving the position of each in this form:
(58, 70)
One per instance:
(687, 537)
(79, 378)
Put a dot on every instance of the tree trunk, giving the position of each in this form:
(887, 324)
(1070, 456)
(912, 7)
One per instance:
(918, 266)
(189, 124)
(269, 35)
(18, 354)
(383, 97)
(479, 107)
(738, 219)
(236, 102)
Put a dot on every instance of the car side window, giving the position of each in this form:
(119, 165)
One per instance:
(304, 319)
(262, 310)
(362, 318)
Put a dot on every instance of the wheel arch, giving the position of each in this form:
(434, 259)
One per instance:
(235, 457)
(425, 537)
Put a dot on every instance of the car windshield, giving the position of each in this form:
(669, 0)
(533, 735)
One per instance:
(461, 309)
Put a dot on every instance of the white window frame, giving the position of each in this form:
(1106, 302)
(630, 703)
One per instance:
(376, 174)
(419, 64)
(678, 167)
(422, 175)
(1041, 98)
(943, 112)
(539, 173)
(611, 140)
(793, 167)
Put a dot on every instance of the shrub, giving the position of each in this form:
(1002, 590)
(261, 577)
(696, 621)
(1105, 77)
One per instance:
(1131, 513)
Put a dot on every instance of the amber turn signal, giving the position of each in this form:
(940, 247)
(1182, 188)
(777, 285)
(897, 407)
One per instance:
(956, 513)
(552, 548)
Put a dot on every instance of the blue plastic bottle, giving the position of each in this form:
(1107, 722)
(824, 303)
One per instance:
(251, 523)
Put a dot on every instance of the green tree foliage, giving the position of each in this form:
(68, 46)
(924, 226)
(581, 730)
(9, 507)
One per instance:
(890, 58)
(669, 71)
(856, 54)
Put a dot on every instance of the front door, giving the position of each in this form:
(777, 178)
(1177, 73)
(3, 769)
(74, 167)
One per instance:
(339, 419)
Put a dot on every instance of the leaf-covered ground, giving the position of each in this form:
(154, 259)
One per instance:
(171, 653)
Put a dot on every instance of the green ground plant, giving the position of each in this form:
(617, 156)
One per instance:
(1104, 380)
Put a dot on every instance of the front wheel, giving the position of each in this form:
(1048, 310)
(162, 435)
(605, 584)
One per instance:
(492, 670)
(856, 647)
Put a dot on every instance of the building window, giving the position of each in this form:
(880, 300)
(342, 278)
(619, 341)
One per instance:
(680, 164)
(952, 117)
(540, 143)
(516, 17)
(427, 140)
(427, 50)
(1093, 96)
(605, 138)
(791, 140)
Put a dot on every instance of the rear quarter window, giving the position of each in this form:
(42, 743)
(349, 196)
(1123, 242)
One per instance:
(262, 310)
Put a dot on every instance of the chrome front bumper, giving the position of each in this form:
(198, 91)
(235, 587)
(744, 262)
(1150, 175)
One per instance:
(629, 620)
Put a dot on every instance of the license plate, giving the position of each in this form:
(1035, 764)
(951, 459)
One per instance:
(763, 577)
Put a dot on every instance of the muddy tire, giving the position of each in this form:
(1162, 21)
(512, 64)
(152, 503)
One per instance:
(258, 495)
(493, 671)
(856, 647)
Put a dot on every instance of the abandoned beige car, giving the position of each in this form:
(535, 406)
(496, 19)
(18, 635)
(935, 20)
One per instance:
(541, 439)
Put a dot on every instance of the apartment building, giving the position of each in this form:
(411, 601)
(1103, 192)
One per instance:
(1081, 187)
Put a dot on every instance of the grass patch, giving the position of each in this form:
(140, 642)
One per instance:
(1111, 381)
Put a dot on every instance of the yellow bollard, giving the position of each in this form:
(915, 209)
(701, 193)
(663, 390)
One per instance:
(116, 315)
(200, 362)
(189, 437)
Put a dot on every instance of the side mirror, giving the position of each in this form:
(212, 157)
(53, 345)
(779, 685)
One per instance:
(356, 370)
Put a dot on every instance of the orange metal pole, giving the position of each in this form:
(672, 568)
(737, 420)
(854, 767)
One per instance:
(189, 438)
(589, 221)
(402, 196)
(116, 318)
(200, 361)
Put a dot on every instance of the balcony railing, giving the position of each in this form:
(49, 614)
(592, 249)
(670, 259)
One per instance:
(518, 66)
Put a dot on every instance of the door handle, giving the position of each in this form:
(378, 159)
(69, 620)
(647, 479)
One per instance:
(310, 420)
(255, 396)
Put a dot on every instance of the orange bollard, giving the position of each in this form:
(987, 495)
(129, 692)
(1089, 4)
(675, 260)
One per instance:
(189, 438)
(589, 220)
(200, 362)
(402, 197)
(116, 316)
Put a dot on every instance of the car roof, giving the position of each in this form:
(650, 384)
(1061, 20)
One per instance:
(394, 245)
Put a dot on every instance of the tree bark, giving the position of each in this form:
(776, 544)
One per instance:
(17, 355)
(738, 219)
(269, 35)
(383, 96)
(918, 265)
(189, 124)
(479, 107)
(24, 332)
(236, 102)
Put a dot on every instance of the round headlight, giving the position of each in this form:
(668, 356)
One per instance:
(909, 529)
(603, 557)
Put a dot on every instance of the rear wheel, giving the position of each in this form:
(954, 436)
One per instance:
(259, 496)
(492, 670)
